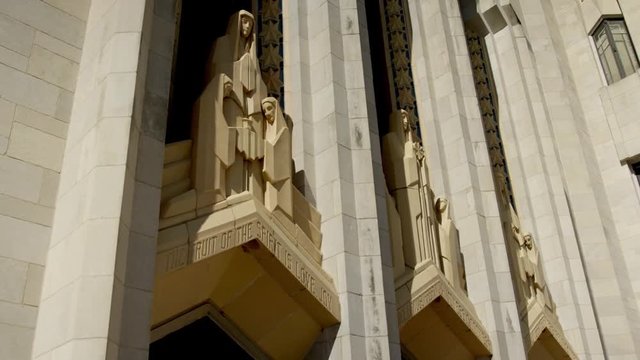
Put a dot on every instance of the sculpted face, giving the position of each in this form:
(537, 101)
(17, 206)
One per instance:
(527, 241)
(246, 25)
(228, 88)
(269, 111)
(405, 120)
(443, 205)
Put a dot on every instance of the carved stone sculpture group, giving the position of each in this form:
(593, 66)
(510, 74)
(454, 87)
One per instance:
(242, 149)
(229, 118)
(421, 230)
(241, 142)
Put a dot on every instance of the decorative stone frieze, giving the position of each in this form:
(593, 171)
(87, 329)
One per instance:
(488, 110)
(438, 290)
(397, 26)
(271, 47)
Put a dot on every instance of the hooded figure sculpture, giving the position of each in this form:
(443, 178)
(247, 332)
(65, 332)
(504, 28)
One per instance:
(452, 262)
(235, 55)
(277, 169)
(229, 117)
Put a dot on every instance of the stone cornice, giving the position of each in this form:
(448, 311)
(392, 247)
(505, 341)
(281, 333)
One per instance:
(438, 287)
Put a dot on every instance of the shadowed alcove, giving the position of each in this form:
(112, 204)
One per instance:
(200, 24)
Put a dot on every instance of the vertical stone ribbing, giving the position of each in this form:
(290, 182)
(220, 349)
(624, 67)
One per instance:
(339, 167)
(40, 48)
(96, 297)
(460, 166)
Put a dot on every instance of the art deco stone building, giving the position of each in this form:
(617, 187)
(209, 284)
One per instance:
(322, 179)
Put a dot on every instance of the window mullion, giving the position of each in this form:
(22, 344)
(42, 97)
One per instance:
(614, 48)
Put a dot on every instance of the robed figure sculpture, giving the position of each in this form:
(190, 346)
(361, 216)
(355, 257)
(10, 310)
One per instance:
(277, 167)
(405, 169)
(229, 117)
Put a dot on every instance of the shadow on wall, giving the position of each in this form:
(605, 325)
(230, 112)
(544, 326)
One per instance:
(201, 22)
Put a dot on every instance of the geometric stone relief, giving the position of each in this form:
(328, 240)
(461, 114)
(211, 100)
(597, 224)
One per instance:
(464, 310)
(230, 216)
(556, 342)
(395, 23)
(271, 47)
(488, 111)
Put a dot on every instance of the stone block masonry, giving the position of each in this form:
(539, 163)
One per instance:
(40, 47)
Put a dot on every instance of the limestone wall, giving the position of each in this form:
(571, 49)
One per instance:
(96, 296)
(565, 133)
(329, 93)
(40, 49)
(459, 165)
(610, 266)
(562, 128)
(526, 107)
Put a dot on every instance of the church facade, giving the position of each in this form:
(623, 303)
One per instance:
(321, 179)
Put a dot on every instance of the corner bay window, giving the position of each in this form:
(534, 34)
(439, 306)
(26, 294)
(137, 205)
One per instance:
(615, 49)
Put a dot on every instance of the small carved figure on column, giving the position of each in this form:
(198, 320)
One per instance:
(452, 264)
(533, 277)
(529, 257)
(523, 264)
(529, 267)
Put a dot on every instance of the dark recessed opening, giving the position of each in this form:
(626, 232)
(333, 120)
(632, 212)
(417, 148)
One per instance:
(202, 339)
(201, 23)
(379, 66)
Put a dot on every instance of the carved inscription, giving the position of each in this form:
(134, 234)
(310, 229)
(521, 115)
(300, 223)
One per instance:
(175, 258)
(292, 262)
(235, 236)
(219, 242)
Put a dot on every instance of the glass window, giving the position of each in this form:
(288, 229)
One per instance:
(615, 49)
